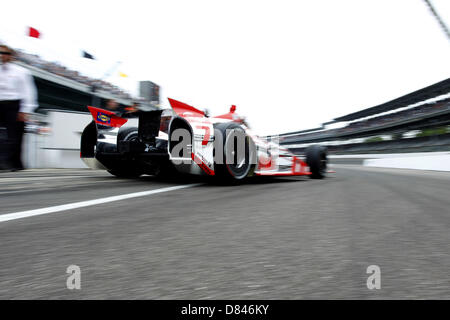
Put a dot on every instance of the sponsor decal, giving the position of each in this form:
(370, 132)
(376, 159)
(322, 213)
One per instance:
(103, 118)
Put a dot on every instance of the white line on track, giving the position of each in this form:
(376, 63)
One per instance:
(42, 186)
(13, 179)
(81, 204)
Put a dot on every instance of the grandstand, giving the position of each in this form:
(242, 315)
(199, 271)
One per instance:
(60, 70)
(60, 88)
(393, 124)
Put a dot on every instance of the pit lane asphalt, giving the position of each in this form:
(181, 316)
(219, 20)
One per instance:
(282, 238)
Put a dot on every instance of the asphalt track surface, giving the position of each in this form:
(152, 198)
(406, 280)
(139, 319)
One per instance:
(281, 238)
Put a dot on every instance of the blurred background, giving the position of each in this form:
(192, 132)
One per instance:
(359, 78)
(367, 79)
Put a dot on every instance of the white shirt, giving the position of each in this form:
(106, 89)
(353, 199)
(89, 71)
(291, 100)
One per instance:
(16, 83)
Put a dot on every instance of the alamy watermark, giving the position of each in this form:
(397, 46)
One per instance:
(374, 280)
(74, 279)
(228, 149)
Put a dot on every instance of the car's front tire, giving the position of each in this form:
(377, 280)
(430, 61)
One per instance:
(234, 166)
(316, 159)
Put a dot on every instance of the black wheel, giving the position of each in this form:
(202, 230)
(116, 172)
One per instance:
(234, 165)
(316, 159)
(127, 171)
(88, 141)
(126, 134)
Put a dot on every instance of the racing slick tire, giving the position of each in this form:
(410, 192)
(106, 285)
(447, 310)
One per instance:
(126, 134)
(243, 165)
(316, 159)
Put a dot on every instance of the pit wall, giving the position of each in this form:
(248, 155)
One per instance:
(60, 146)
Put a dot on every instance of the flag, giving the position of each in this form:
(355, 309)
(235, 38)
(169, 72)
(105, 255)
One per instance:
(34, 33)
(123, 75)
(88, 55)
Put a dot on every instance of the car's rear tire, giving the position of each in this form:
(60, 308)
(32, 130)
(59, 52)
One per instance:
(126, 134)
(241, 166)
(316, 159)
(127, 171)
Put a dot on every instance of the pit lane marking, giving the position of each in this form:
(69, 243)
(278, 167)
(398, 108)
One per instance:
(19, 179)
(82, 204)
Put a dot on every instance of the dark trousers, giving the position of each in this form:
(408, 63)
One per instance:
(11, 135)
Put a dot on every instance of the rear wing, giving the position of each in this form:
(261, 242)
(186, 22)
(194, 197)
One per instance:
(106, 117)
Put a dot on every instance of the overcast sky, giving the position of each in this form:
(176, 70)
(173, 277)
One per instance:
(287, 65)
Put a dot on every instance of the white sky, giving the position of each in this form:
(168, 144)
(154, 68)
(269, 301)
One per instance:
(287, 65)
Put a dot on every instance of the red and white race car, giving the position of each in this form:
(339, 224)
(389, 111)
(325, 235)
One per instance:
(185, 139)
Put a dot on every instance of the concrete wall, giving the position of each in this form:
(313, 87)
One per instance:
(60, 148)
(436, 161)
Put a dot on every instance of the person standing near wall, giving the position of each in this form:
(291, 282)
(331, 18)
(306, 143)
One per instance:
(112, 105)
(18, 99)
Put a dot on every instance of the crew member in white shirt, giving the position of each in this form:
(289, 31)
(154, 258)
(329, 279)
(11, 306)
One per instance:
(17, 101)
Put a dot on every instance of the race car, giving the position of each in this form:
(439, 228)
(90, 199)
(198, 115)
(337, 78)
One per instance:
(186, 140)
